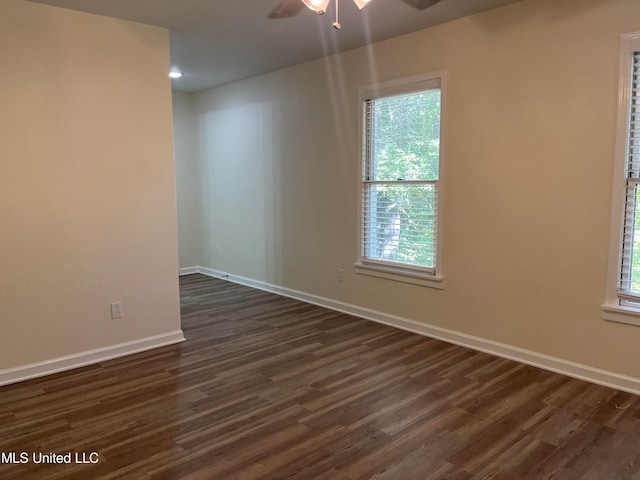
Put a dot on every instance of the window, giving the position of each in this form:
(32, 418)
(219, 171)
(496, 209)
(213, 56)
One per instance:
(401, 185)
(623, 301)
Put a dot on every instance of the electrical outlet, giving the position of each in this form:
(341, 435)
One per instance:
(116, 310)
(341, 275)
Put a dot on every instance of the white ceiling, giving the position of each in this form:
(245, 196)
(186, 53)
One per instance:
(220, 41)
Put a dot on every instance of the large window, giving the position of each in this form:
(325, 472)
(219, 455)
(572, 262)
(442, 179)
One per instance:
(623, 302)
(401, 179)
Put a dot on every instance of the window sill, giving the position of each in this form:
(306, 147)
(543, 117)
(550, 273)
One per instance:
(616, 313)
(401, 275)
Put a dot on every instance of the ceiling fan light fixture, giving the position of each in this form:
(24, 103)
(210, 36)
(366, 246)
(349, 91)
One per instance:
(361, 3)
(318, 6)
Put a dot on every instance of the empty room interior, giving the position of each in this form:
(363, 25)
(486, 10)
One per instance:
(395, 240)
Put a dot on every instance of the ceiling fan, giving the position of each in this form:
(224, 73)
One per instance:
(289, 8)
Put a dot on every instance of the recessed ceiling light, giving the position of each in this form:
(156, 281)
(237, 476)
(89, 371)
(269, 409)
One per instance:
(175, 74)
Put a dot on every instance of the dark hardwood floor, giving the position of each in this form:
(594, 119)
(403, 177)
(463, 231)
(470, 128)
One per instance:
(267, 387)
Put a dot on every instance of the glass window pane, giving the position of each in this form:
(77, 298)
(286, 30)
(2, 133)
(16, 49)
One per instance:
(634, 279)
(406, 137)
(400, 223)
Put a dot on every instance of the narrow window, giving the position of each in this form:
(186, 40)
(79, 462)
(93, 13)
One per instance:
(629, 288)
(623, 286)
(401, 194)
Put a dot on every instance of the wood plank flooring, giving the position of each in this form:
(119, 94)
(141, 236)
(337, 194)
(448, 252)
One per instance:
(266, 387)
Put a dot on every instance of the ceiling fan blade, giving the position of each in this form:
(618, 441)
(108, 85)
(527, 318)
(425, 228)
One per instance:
(286, 8)
(421, 4)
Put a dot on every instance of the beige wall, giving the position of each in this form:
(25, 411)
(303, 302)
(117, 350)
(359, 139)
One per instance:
(532, 110)
(189, 214)
(87, 190)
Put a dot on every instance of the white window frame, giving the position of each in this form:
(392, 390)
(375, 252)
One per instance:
(616, 307)
(433, 278)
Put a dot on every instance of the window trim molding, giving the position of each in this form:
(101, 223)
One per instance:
(404, 275)
(407, 274)
(612, 310)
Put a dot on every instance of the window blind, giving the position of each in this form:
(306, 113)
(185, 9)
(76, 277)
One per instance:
(629, 288)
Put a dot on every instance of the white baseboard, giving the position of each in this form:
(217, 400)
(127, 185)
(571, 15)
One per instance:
(40, 369)
(188, 270)
(529, 357)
